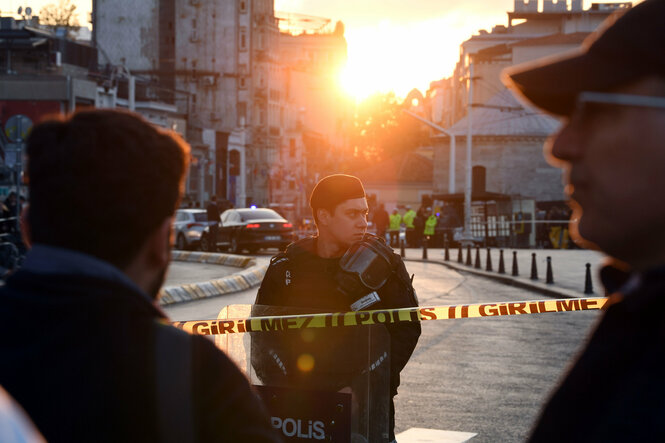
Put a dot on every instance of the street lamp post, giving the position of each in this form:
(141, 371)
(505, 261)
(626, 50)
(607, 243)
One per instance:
(469, 141)
(467, 236)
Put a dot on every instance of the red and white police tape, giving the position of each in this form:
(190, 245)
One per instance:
(386, 316)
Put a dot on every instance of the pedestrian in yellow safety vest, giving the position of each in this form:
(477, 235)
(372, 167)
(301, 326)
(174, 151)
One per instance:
(430, 224)
(408, 219)
(395, 222)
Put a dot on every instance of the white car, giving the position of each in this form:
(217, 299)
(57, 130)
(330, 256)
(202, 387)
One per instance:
(188, 226)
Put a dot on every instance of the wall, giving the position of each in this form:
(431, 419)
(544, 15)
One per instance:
(514, 166)
(127, 29)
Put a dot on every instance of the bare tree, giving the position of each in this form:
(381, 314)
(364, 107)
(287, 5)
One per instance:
(62, 14)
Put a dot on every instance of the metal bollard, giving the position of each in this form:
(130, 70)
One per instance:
(534, 268)
(516, 271)
(460, 259)
(468, 255)
(446, 254)
(402, 253)
(502, 267)
(550, 276)
(425, 248)
(588, 283)
(477, 265)
(488, 262)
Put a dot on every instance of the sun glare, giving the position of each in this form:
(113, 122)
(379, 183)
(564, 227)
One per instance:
(393, 57)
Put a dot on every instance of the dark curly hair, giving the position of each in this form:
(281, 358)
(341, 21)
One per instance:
(101, 181)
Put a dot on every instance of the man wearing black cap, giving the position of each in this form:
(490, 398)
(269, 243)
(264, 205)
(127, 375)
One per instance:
(611, 96)
(307, 273)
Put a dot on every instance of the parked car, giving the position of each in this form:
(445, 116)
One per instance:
(188, 227)
(251, 229)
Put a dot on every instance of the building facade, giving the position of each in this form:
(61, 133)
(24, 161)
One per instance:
(216, 62)
(507, 138)
(315, 112)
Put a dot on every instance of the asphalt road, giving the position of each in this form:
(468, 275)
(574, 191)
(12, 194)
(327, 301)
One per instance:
(489, 375)
(181, 273)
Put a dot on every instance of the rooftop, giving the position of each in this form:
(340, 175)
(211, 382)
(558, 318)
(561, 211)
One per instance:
(504, 116)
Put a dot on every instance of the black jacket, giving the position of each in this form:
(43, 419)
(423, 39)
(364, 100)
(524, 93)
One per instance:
(615, 392)
(300, 278)
(78, 353)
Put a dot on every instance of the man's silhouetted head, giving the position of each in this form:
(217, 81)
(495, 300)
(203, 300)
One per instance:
(101, 182)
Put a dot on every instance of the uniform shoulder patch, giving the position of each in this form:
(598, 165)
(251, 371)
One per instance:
(279, 258)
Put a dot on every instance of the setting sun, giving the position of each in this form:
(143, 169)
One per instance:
(393, 57)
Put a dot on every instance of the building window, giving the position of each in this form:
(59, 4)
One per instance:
(243, 6)
(242, 113)
(292, 147)
(243, 39)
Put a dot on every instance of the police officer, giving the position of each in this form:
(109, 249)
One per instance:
(408, 218)
(430, 224)
(393, 229)
(307, 273)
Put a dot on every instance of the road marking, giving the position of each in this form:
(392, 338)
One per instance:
(422, 435)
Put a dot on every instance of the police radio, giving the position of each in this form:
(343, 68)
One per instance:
(364, 268)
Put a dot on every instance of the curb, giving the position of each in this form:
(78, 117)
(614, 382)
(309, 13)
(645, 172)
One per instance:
(542, 288)
(250, 276)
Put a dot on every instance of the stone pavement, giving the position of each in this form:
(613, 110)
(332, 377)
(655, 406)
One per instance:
(568, 268)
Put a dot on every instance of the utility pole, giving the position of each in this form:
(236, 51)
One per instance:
(451, 167)
(467, 236)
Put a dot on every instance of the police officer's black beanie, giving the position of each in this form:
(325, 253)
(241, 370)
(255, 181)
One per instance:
(334, 189)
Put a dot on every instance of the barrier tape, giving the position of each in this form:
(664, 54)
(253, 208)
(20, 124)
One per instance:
(388, 316)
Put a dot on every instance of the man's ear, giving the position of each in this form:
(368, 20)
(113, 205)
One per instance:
(324, 216)
(149, 266)
(158, 244)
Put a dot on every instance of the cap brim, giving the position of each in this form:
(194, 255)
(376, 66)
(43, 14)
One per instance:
(553, 84)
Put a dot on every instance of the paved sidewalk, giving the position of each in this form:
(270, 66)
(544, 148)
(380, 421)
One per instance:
(568, 268)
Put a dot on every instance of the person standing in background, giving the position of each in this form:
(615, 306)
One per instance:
(395, 224)
(381, 221)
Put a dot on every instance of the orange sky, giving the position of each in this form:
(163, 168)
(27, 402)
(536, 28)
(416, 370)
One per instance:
(398, 45)
(392, 44)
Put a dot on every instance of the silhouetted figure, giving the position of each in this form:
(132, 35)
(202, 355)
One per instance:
(611, 98)
(381, 221)
(85, 350)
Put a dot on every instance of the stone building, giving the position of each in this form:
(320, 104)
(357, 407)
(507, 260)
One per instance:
(507, 138)
(507, 151)
(215, 61)
(315, 112)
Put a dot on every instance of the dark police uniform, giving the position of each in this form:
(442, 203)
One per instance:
(299, 277)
